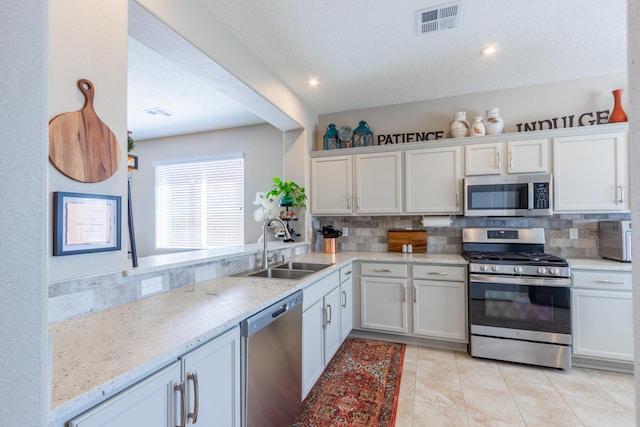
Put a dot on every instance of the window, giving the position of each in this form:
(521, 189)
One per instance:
(200, 203)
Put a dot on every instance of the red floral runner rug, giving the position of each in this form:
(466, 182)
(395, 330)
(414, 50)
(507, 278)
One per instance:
(359, 387)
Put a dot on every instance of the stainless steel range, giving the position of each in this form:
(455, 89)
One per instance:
(519, 297)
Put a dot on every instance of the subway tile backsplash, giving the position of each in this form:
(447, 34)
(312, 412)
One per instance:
(369, 233)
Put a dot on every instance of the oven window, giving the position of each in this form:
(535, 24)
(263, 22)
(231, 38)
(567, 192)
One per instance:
(515, 306)
(535, 308)
(498, 196)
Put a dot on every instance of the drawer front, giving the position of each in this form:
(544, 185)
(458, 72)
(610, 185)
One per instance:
(316, 291)
(608, 280)
(383, 270)
(440, 272)
(345, 272)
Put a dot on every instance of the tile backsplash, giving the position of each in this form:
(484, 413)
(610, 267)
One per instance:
(369, 233)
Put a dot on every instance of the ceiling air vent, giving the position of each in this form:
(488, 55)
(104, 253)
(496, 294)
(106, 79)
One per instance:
(158, 111)
(437, 18)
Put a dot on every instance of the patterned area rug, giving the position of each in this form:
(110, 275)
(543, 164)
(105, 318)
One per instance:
(359, 387)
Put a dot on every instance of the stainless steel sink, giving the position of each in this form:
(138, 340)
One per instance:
(302, 266)
(274, 273)
(287, 270)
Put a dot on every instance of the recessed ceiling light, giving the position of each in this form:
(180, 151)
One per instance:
(489, 50)
(313, 82)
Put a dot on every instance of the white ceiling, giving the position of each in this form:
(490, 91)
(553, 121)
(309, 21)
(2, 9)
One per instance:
(367, 53)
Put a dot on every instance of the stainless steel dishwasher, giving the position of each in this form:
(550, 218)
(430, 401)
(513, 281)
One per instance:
(272, 370)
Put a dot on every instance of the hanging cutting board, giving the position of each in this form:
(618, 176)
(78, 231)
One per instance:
(81, 146)
(417, 238)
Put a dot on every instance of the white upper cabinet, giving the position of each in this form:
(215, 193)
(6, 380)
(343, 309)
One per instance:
(591, 173)
(332, 185)
(433, 180)
(379, 183)
(526, 156)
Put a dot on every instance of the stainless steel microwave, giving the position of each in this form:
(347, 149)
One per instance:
(508, 195)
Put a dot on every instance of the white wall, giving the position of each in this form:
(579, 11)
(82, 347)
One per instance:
(89, 40)
(262, 148)
(525, 104)
(24, 358)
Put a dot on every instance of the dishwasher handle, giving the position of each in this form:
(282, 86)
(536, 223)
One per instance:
(270, 314)
(278, 312)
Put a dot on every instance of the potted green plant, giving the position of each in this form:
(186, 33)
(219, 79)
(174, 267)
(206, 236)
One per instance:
(290, 193)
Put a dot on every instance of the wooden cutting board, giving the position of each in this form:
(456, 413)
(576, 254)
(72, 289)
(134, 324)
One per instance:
(81, 146)
(417, 238)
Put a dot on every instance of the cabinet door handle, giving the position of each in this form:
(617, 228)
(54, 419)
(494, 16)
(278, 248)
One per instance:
(510, 160)
(329, 314)
(438, 273)
(348, 273)
(621, 194)
(499, 161)
(349, 202)
(382, 270)
(613, 282)
(344, 294)
(415, 291)
(183, 404)
(193, 376)
(457, 199)
(358, 201)
(404, 293)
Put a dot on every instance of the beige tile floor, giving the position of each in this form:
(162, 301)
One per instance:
(443, 388)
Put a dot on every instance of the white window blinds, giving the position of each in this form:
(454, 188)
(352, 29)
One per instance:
(200, 203)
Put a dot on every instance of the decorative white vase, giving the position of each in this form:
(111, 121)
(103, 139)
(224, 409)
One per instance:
(494, 123)
(477, 128)
(459, 127)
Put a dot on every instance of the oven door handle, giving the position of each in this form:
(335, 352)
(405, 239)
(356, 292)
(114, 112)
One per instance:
(518, 280)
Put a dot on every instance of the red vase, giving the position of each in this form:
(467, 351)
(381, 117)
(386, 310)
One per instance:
(617, 115)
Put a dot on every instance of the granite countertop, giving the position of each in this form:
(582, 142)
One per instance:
(99, 354)
(598, 264)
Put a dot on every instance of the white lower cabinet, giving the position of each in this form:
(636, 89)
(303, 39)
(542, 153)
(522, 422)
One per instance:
(150, 402)
(602, 315)
(321, 333)
(438, 295)
(440, 303)
(167, 398)
(383, 291)
(346, 302)
(212, 375)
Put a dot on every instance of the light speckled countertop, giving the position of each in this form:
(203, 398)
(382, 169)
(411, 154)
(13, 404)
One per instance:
(99, 354)
(599, 264)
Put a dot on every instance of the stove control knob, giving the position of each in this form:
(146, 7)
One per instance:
(495, 267)
(518, 269)
(554, 271)
(484, 267)
(542, 270)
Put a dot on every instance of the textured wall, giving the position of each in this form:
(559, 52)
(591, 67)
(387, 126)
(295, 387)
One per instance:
(24, 359)
(633, 17)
